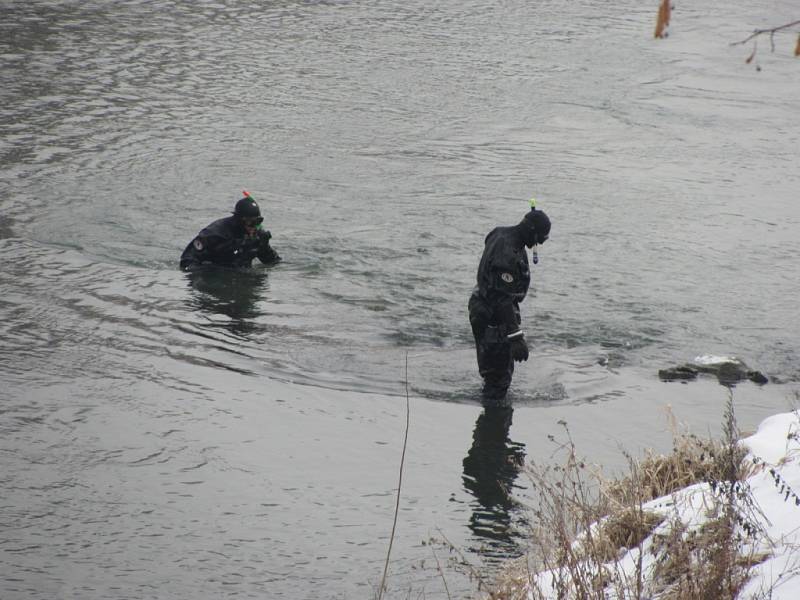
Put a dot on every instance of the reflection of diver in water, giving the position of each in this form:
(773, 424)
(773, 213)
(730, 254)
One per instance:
(233, 293)
(490, 469)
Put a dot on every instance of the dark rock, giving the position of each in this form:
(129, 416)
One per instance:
(728, 371)
(757, 377)
(678, 373)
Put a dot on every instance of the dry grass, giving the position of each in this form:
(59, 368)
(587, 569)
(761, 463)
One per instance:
(701, 564)
(585, 524)
(691, 461)
(623, 530)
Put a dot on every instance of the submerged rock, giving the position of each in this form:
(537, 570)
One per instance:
(729, 371)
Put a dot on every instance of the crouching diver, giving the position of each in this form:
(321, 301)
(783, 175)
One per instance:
(232, 241)
(503, 280)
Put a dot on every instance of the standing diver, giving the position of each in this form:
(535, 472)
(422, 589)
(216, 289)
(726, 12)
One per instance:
(503, 280)
(232, 241)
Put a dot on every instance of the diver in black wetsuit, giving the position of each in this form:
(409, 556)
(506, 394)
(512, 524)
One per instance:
(503, 280)
(231, 241)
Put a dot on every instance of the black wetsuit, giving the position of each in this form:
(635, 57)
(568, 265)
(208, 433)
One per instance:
(226, 243)
(503, 280)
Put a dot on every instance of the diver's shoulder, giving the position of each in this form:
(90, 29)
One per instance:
(499, 233)
(222, 226)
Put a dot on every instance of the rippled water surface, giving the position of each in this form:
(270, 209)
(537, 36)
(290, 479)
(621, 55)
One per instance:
(239, 433)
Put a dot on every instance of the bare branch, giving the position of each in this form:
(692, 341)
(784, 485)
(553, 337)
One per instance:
(771, 33)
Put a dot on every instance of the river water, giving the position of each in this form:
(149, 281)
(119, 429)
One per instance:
(240, 434)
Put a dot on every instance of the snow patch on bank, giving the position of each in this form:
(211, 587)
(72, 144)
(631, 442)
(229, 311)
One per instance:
(775, 490)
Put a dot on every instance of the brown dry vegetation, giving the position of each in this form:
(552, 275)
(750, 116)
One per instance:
(585, 523)
(662, 21)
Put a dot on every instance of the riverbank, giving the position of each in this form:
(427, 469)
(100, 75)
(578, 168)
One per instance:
(732, 534)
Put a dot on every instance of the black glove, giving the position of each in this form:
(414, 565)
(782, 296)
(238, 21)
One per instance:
(519, 349)
(266, 253)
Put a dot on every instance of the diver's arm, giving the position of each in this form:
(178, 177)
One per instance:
(266, 253)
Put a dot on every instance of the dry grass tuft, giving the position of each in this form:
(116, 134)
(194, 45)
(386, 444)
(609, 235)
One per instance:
(702, 564)
(691, 461)
(623, 530)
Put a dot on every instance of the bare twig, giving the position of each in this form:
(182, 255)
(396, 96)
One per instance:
(470, 569)
(441, 573)
(399, 486)
(772, 31)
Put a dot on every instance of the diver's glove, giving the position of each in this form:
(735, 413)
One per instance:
(266, 253)
(519, 348)
(263, 237)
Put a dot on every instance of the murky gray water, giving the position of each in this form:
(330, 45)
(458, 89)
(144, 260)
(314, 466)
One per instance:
(167, 436)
